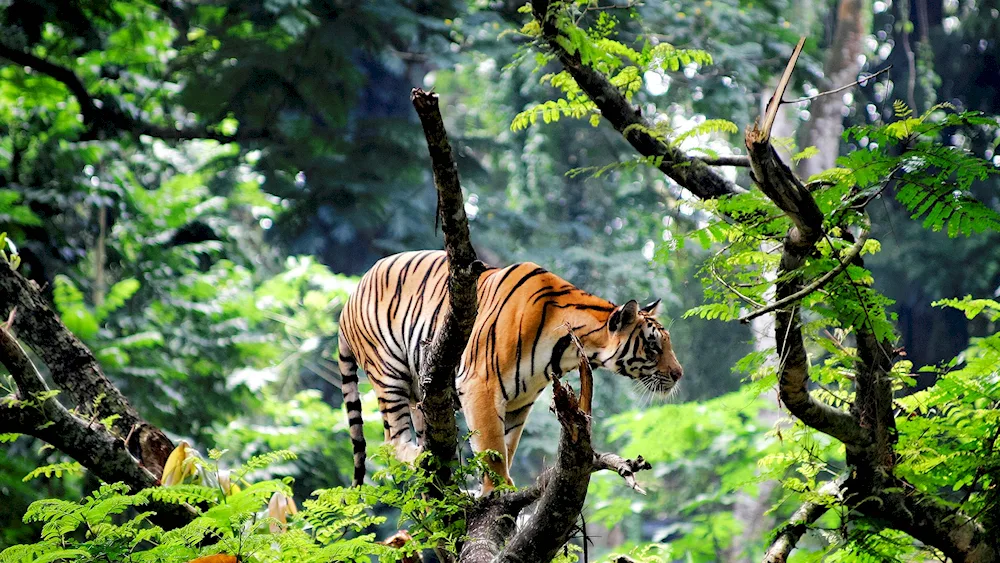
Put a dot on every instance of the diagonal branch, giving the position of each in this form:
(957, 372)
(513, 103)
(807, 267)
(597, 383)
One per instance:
(815, 285)
(42, 416)
(691, 173)
(107, 119)
(74, 369)
(796, 527)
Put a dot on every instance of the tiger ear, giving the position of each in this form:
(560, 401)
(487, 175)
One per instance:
(653, 308)
(624, 317)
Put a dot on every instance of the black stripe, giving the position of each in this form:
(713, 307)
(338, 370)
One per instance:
(354, 405)
(557, 353)
(518, 425)
(355, 421)
(396, 408)
(517, 360)
(516, 412)
(349, 378)
(552, 294)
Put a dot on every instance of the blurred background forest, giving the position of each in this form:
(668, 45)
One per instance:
(198, 184)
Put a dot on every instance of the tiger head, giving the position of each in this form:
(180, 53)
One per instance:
(643, 350)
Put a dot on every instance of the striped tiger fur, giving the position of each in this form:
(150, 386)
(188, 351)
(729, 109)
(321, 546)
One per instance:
(519, 341)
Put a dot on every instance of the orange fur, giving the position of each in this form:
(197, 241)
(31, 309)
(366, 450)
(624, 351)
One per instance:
(519, 341)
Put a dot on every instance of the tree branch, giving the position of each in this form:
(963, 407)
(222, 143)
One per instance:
(815, 285)
(75, 370)
(437, 370)
(565, 490)
(780, 185)
(929, 520)
(796, 527)
(22, 370)
(690, 173)
(108, 119)
(98, 450)
(559, 490)
(738, 160)
(89, 110)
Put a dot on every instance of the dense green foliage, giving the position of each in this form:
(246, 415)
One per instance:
(207, 275)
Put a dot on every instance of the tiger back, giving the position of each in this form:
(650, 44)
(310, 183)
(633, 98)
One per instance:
(520, 340)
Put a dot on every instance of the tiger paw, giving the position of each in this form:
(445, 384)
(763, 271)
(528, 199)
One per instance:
(408, 452)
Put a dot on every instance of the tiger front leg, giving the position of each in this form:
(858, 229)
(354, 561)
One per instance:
(483, 412)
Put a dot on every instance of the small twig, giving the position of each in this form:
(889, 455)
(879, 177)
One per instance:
(728, 286)
(815, 285)
(738, 160)
(840, 89)
(779, 92)
(627, 468)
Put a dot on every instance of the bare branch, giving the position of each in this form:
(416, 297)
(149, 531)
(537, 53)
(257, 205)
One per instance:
(737, 160)
(793, 530)
(627, 468)
(862, 80)
(779, 92)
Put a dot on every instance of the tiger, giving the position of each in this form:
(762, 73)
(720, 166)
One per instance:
(521, 339)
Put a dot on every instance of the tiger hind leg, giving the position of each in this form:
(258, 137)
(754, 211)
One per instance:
(397, 417)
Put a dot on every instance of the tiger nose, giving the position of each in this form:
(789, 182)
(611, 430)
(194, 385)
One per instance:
(677, 373)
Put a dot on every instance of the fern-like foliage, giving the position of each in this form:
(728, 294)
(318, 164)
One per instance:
(624, 65)
(113, 523)
(933, 181)
(55, 469)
